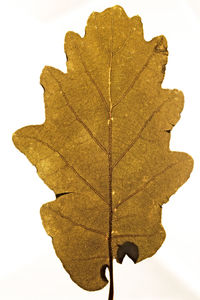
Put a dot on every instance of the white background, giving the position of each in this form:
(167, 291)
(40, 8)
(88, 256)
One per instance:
(32, 35)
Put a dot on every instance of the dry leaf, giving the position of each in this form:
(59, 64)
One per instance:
(104, 147)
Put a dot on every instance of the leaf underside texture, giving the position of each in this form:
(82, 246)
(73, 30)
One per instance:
(104, 147)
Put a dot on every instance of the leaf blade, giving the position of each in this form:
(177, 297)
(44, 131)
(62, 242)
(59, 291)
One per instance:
(104, 146)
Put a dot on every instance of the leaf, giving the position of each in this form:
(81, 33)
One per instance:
(104, 147)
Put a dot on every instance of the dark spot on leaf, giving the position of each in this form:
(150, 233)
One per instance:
(103, 272)
(163, 69)
(161, 47)
(168, 131)
(129, 249)
(61, 194)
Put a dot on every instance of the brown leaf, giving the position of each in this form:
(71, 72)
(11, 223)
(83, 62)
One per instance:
(104, 147)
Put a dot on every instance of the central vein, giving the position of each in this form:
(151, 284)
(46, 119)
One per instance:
(110, 161)
(111, 292)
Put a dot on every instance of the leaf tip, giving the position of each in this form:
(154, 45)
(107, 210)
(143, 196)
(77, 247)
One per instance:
(161, 44)
(71, 38)
(15, 138)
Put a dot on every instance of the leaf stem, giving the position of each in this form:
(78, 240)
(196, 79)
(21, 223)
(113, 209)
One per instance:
(111, 290)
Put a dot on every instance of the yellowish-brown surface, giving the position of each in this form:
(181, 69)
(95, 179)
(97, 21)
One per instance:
(106, 141)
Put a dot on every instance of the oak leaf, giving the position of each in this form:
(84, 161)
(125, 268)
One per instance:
(104, 147)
